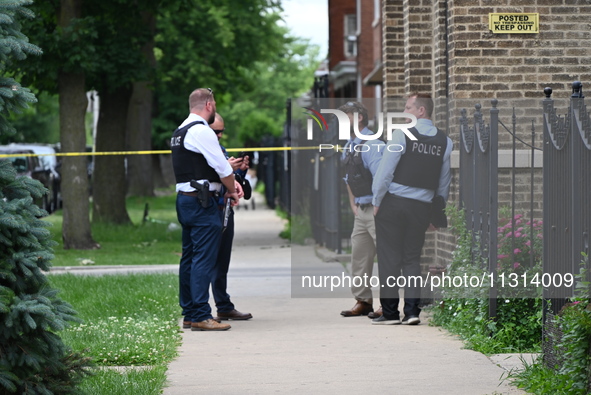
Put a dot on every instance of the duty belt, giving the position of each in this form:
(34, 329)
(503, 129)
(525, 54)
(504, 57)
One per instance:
(194, 194)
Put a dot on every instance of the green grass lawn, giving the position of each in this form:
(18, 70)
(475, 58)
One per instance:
(155, 241)
(129, 321)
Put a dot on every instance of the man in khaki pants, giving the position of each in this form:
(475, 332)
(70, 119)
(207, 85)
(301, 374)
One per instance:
(360, 163)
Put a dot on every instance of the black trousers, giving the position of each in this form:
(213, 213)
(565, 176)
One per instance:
(400, 234)
(219, 284)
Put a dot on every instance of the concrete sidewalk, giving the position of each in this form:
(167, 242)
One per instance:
(304, 346)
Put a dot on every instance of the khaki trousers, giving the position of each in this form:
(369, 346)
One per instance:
(363, 244)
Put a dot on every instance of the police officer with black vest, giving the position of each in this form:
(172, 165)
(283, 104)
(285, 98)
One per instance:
(360, 160)
(200, 169)
(411, 173)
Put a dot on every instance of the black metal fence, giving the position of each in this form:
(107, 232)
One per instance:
(479, 184)
(274, 167)
(567, 191)
(318, 193)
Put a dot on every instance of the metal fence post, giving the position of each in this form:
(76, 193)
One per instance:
(557, 229)
(576, 102)
(493, 203)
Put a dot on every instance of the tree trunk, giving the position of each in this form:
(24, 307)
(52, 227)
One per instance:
(139, 124)
(76, 232)
(139, 129)
(109, 185)
(159, 181)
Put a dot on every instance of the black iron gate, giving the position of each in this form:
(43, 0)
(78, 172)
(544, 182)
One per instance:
(480, 199)
(479, 185)
(567, 191)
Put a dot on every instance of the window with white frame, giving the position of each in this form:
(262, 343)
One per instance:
(350, 35)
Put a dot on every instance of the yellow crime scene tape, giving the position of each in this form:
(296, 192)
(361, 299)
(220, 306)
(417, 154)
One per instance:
(250, 149)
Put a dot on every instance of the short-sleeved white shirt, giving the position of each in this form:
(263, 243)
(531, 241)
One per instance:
(203, 140)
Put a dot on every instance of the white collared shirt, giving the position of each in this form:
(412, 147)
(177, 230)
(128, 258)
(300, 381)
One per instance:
(203, 140)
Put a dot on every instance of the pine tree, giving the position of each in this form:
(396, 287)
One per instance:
(33, 358)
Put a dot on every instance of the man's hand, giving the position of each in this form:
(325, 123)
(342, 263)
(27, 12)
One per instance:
(233, 196)
(245, 163)
(236, 163)
(375, 210)
(239, 190)
(239, 163)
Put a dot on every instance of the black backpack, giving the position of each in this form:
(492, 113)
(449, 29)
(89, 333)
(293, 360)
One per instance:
(359, 178)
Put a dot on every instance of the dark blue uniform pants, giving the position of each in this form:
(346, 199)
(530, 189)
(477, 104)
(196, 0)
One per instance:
(202, 230)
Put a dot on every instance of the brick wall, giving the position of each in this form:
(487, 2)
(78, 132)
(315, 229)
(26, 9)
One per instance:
(393, 48)
(446, 48)
(464, 60)
(418, 45)
(515, 68)
(517, 65)
(439, 70)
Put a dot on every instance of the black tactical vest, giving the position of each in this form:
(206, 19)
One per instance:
(359, 178)
(189, 165)
(420, 165)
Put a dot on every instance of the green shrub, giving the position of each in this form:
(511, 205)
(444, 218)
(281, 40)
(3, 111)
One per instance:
(517, 326)
(571, 349)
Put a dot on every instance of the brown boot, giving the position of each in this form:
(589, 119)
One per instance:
(209, 325)
(187, 324)
(376, 314)
(360, 308)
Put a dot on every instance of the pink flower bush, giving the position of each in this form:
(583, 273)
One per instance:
(515, 246)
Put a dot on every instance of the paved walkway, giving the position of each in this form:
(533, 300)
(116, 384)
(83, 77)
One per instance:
(302, 345)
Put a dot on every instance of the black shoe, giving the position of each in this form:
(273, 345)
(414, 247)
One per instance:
(376, 314)
(384, 321)
(411, 320)
(233, 315)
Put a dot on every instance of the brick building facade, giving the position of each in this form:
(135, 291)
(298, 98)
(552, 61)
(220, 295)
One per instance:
(342, 48)
(445, 47)
(355, 48)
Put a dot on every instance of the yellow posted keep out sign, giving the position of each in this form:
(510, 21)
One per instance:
(514, 23)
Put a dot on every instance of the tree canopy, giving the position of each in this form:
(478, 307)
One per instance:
(131, 52)
(261, 110)
(209, 44)
(236, 47)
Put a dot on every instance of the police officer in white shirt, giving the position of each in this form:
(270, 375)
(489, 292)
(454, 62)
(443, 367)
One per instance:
(196, 155)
